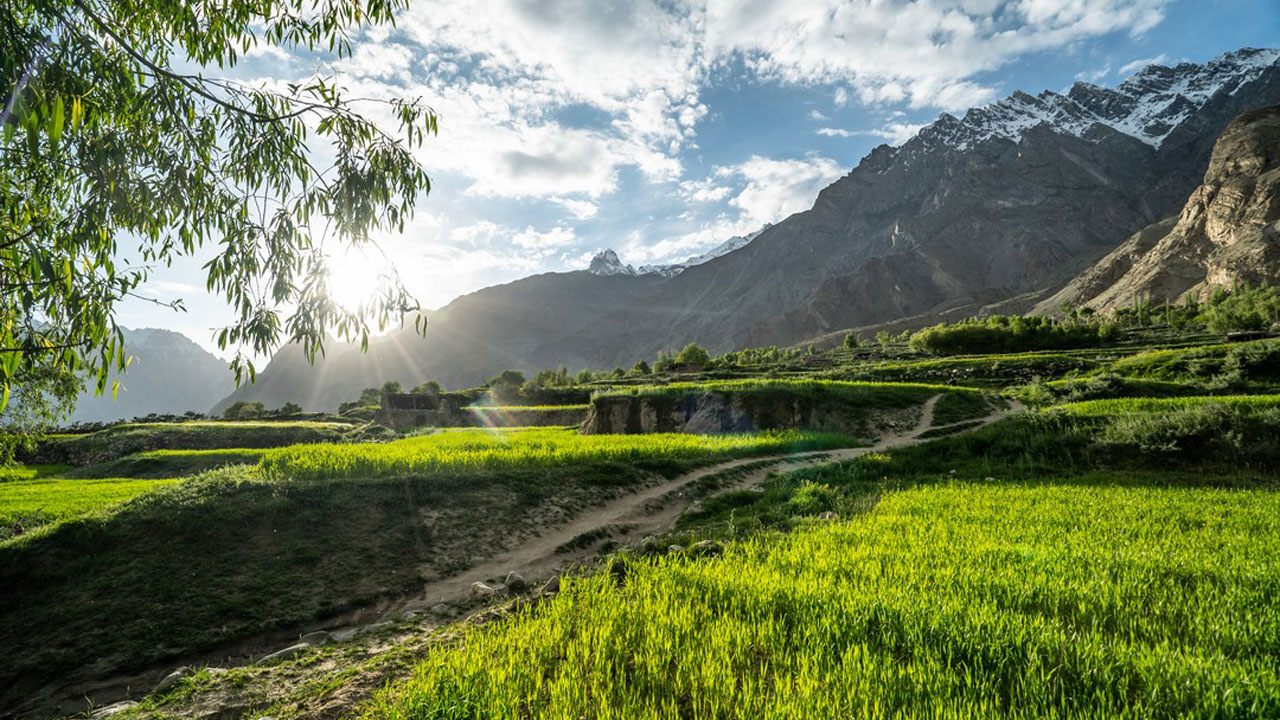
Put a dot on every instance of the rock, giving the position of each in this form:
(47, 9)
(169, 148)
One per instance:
(284, 654)
(706, 548)
(113, 709)
(171, 679)
(345, 634)
(552, 586)
(441, 609)
(217, 670)
(673, 549)
(516, 582)
(481, 591)
(318, 637)
(409, 616)
(829, 516)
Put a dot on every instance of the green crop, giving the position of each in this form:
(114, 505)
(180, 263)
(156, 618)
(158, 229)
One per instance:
(26, 504)
(958, 601)
(464, 450)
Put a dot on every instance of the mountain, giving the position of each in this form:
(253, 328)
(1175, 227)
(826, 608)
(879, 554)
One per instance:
(1228, 231)
(606, 262)
(467, 342)
(995, 210)
(998, 208)
(169, 374)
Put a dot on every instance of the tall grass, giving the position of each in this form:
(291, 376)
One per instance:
(955, 602)
(31, 503)
(467, 450)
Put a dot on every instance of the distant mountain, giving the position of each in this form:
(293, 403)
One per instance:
(997, 210)
(606, 262)
(468, 341)
(1228, 231)
(169, 374)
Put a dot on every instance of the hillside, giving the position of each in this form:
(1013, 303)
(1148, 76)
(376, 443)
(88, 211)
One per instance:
(169, 375)
(1227, 233)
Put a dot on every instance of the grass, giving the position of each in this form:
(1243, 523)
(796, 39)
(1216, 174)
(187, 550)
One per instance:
(1126, 406)
(956, 601)
(168, 463)
(39, 501)
(127, 439)
(476, 450)
(235, 552)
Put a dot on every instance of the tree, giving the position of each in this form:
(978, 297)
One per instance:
(693, 354)
(584, 376)
(115, 159)
(430, 387)
(508, 377)
(244, 410)
(392, 386)
(642, 368)
(288, 409)
(852, 342)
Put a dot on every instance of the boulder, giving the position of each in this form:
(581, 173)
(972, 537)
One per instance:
(318, 637)
(171, 680)
(552, 586)
(673, 549)
(441, 609)
(829, 516)
(481, 591)
(516, 582)
(706, 548)
(113, 709)
(284, 654)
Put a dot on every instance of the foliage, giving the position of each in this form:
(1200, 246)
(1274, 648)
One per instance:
(1010, 333)
(369, 397)
(244, 410)
(1243, 309)
(641, 368)
(120, 154)
(474, 450)
(390, 386)
(288, 410)
(852, 341)
(693, 354)
(960, 601)
(430, 387)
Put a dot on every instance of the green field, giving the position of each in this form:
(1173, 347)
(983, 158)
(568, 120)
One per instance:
(467, 450)
(957, 601)
(28, 504)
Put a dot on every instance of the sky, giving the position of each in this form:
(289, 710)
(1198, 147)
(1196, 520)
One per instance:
(661, 129)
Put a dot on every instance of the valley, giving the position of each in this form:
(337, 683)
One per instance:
(984, 425)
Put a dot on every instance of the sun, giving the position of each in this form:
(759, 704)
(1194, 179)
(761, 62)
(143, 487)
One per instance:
(355, 278)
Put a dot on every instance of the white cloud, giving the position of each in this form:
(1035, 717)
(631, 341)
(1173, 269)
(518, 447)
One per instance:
(1136, 65)
(775, 189)
(580, 209)
(818, 116)
(897, 132)
(705, 190)
(835, 132)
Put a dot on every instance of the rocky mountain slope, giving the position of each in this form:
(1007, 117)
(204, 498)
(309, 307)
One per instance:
(169, 374)
(996, 210)
(1228, 231)
(1003, 205)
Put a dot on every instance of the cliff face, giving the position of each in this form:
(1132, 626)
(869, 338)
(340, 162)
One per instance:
(1228, 231)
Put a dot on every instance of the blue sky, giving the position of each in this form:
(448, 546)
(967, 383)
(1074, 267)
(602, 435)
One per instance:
(660, 129)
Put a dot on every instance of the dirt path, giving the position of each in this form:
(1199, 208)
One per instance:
(650, 511)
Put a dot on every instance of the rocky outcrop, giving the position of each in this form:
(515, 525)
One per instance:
(1227, 233)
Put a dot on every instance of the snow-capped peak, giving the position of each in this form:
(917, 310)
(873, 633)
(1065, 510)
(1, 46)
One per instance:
(606, 263)
(1147, 106)
(724, 248)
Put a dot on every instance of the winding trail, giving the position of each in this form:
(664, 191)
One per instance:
(652, 510)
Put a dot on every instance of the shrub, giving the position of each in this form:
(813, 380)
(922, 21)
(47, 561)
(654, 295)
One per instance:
(693, 354)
